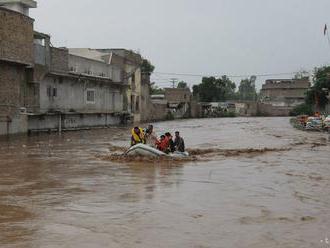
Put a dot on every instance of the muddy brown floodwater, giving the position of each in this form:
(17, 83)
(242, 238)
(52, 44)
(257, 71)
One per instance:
(253, 182)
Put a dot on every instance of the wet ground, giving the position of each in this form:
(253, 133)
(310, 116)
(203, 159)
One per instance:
(253, 182)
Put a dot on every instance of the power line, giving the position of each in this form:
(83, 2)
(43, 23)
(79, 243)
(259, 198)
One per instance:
(231, 76)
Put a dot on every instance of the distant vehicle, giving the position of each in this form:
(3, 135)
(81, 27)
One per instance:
(227, 107)
(326, 123)
(314, 123)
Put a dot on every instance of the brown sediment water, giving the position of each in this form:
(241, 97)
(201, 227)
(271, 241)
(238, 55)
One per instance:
(250, 182)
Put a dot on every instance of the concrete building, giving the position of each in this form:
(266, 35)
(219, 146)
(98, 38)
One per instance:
(16, 63)
(279, 97)
(174, 104)
(49, 88)
(246, 108)
(137, 99)
(46, 88)
(179, 101)
(74, 92)
(20, 6)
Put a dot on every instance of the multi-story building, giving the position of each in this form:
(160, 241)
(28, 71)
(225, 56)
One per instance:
(47, 88)
(74, 91)
(137, 100)
(279, 97)
(16, 63)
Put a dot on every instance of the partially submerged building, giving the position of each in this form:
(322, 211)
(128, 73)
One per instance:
(137, 98)
(179, 101)
(74, 91)
(49, 88)
(16, 63)
(279, 96)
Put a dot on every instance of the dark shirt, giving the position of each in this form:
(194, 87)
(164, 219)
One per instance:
(179, 144)
(171, 145)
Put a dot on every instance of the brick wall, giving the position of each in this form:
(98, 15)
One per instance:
(59, 59)
(284, 93)
(157, 112)
(270, 110)
(174, 95)
(12, 83)
(16, 37)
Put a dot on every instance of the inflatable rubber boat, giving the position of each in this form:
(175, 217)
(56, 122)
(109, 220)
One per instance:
(145, 150)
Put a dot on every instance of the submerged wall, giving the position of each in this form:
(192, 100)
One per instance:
(71, 121)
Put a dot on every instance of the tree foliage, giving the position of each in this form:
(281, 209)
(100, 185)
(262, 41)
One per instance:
(182, 85)
(247, 89)
(147, 67)
(155, 90)
(317, 95)
(215, 89)
(302, 109)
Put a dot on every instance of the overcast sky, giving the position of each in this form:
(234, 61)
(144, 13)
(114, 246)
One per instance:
(209, 37)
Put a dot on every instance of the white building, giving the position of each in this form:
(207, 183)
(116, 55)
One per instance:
(21, 6)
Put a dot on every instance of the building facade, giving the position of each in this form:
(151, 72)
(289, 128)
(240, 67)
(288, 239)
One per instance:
(179, 101)
(137, 100)
(279, 97)
(74, 92)
(16, 62)
(47, 88)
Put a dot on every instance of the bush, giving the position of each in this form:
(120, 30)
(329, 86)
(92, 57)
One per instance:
(302, 109)
(169, 116)
(229, 114)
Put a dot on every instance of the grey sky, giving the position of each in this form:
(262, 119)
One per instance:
(233, 37)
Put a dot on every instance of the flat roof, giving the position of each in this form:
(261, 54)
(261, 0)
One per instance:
(39, 35)
(27, 3)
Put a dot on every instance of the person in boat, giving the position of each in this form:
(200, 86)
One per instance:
(137, 136)
(150, 136)
(170, 143)
(162, 144)
(179, 142)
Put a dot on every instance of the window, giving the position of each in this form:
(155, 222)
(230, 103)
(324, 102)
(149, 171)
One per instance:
(137, 104)
(51, 91)
(90, 96)
(113, 101)
(133, 78)
(132, 103)
(54, 92)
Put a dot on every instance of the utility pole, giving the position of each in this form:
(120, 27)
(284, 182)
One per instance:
(173, 81)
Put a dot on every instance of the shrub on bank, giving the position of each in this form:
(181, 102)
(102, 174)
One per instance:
(169, 116)
(229, 114)
(302, 109)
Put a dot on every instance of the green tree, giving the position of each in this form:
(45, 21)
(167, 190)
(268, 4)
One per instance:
(229, 88)
(182, 85)
(147, 67)
(317, 95)
(155, 90)
(247, 90)
(214, 89)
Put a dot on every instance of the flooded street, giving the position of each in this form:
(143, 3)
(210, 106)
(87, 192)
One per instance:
(253, 182)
